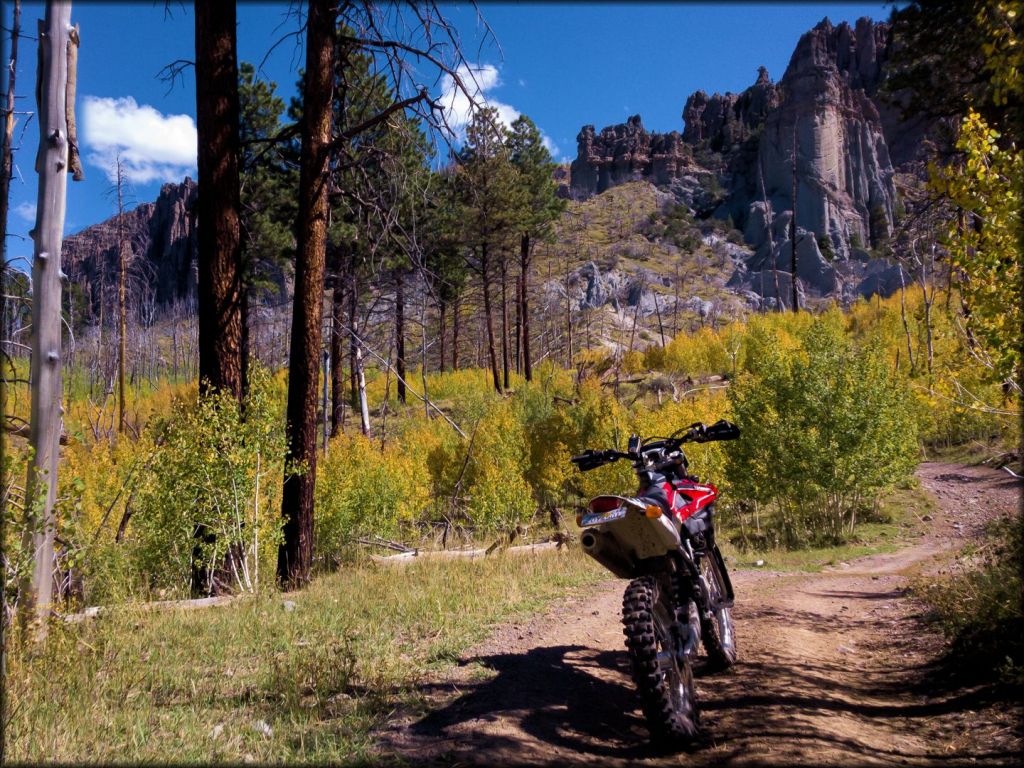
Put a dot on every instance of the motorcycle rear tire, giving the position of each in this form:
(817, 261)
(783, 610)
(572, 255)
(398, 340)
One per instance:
(667, 695)
(717, 632)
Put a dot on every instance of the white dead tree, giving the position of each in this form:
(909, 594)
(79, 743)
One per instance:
(58, 52)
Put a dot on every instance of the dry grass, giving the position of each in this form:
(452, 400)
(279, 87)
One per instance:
(274, 677)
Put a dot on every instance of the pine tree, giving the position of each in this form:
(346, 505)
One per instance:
(295, 555)
(493, 202)
(533, 162)
(220, 267)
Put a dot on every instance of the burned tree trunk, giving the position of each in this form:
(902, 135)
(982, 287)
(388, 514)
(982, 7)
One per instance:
(295, 555)
(7, 161)
(400, 332)
(220, 258)
(504, 322)
(442, 309)
(456, 313)
(489, 316)
(122, 299)
(353, 347)
(524, 310)
(338, 355)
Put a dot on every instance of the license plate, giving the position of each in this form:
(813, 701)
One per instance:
(595, 518)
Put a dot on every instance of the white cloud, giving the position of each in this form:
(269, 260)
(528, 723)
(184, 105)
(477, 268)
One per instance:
(478, 80)
(26, 210)
(152, 146)
(550, 145)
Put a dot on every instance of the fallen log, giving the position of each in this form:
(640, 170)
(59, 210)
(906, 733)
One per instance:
(462, 554)
(156, 605)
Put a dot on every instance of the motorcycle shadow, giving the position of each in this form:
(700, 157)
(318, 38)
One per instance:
(564, 698)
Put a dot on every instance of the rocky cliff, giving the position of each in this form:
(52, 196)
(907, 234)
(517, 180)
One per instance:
(828, 116)
(163, 243)
(626, 152)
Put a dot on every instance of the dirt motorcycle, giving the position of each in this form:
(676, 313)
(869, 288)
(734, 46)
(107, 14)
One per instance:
(679, 595)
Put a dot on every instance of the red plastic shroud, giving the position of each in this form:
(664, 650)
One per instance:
(687, 498)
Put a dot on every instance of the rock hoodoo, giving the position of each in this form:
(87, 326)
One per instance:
(626, 152)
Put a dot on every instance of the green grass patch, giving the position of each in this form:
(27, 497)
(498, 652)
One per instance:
(898, 518)
(262, 679)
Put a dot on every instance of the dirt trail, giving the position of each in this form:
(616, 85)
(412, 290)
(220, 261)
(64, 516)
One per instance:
(835, 668)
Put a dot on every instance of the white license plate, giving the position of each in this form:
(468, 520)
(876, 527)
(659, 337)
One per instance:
(596, 518)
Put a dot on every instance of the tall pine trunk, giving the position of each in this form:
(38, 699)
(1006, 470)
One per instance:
(488, 316)
(295, 555)
(220, 262)
(524, 271)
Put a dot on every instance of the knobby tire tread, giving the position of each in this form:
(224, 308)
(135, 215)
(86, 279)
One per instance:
(665, 724)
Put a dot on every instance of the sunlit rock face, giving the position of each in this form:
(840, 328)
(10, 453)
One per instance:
(626, 152)
(826, 128)
(825, 116)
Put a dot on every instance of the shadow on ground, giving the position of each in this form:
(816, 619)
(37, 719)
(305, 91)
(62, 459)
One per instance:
(568, 703)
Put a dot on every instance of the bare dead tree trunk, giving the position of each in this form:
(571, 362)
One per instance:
(504, 322)
(364, 408)
(792, 228)
(903, 316)
(54, 80)
(353, 324)
(7, 160)
(441, 333)
(220, 262)
(524, 310)
(661, 327)
(488, 315)
(456, 313)
(337, 356)
(400, 332)
(423, 353)
(927, 311)
(122, 306)
(295, 555)
(568, 321)
(518, 332)
(675, 307)
(771, 226)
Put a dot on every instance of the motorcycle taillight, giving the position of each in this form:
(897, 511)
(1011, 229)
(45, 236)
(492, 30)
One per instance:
(604, 504)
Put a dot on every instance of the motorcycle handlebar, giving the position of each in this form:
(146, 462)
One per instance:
(695, 433)
(593, 459)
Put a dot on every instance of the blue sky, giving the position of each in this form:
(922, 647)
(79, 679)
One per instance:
(564, 64)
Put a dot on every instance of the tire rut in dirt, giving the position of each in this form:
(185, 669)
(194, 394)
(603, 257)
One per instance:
(667, 721)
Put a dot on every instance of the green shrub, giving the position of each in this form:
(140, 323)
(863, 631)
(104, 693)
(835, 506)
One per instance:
(216, 471)
(825, 426)
(360, 491)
